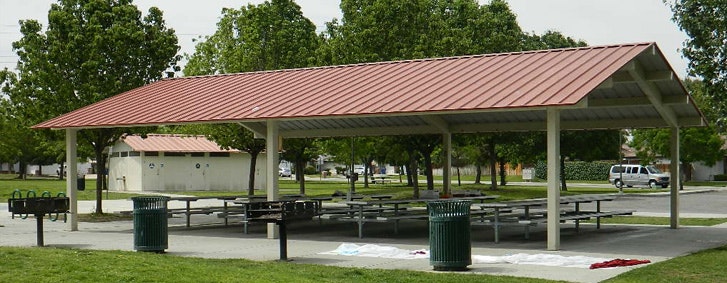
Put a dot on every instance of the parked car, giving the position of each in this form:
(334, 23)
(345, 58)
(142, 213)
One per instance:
(637, 175)
(284, 172)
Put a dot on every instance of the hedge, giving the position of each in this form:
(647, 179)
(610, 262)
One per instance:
(578, 170)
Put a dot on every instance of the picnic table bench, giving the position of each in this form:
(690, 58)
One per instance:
(386, 210)
(526, 213)
(188, 210)
(380, 179)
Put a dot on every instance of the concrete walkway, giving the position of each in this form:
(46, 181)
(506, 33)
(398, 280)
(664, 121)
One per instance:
(307, 242)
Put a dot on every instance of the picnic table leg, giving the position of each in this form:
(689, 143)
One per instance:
(578, 222)
(360, 222)
(187, 213)
(598, 211)
(224, 210)
(497, 225)
(527, 227)
(283, 241)
(396, 222)
(244, 218)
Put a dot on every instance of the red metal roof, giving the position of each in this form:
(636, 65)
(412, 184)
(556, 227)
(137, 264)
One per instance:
(470, 83)
(173, 143)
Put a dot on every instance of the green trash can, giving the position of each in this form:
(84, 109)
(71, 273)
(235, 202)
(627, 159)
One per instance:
(150, 223)
(449, 235)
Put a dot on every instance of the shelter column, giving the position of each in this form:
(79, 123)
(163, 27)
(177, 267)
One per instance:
(447, 166)
(675, 178)
(71, 180)
(271, 166)
(553, 162)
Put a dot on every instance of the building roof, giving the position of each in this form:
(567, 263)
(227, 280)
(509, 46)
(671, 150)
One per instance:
(173, 143)
(615, 86)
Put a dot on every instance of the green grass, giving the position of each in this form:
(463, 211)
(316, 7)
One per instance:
(641, 220)
(70, 265)
(704, 266)
(8, 184)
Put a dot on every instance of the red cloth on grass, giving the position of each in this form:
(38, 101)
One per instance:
(618, 262)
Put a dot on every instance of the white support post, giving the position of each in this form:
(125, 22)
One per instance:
(71, 179)
(447, 166)
(271, 166)
(553, 162)
(675, 178)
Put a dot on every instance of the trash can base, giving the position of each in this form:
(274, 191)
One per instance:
(450, 268)
(157, 251)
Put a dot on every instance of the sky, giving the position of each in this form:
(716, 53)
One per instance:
(596, 22)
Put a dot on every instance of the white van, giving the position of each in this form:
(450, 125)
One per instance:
(637, 175)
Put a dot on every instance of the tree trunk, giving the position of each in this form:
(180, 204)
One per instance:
(478, 174)
(687, 170)
(300, 170)
(563, 186)
(493, 166)
(251, 177)
(100, 167)
(430, 175)
(503, 173)
(407, 171)
(22, 169)
(61, 170)
(459, 181)
(414, 176)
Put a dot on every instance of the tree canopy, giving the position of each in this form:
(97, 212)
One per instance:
(91, 50)
(705, 22)
(269, 36)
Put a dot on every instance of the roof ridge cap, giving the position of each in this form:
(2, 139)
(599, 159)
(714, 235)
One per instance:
(412, 60)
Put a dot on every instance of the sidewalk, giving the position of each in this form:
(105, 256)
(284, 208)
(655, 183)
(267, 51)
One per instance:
(308, 241)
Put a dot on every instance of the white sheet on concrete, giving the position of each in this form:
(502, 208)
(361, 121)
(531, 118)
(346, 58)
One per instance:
(371, 250)
(539, 259)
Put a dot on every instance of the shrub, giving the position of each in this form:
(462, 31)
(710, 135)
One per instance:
(578, 170)
(310, 170)
(720, 177)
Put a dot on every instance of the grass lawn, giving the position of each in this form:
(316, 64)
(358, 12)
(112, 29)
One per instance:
(71, 265)
(704, 266)
(8, 184)
(644, 220)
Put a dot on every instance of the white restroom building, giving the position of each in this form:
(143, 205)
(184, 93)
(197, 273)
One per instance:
(180, 163)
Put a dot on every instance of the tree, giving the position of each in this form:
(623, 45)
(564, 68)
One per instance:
(272, 35)
(228, 136)
(588, 146)
(91, 50)
(235, 136)
(21, 144)
(696, 144)
(384, 30)
(705, 22)
(365, 151)
(300, 152)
